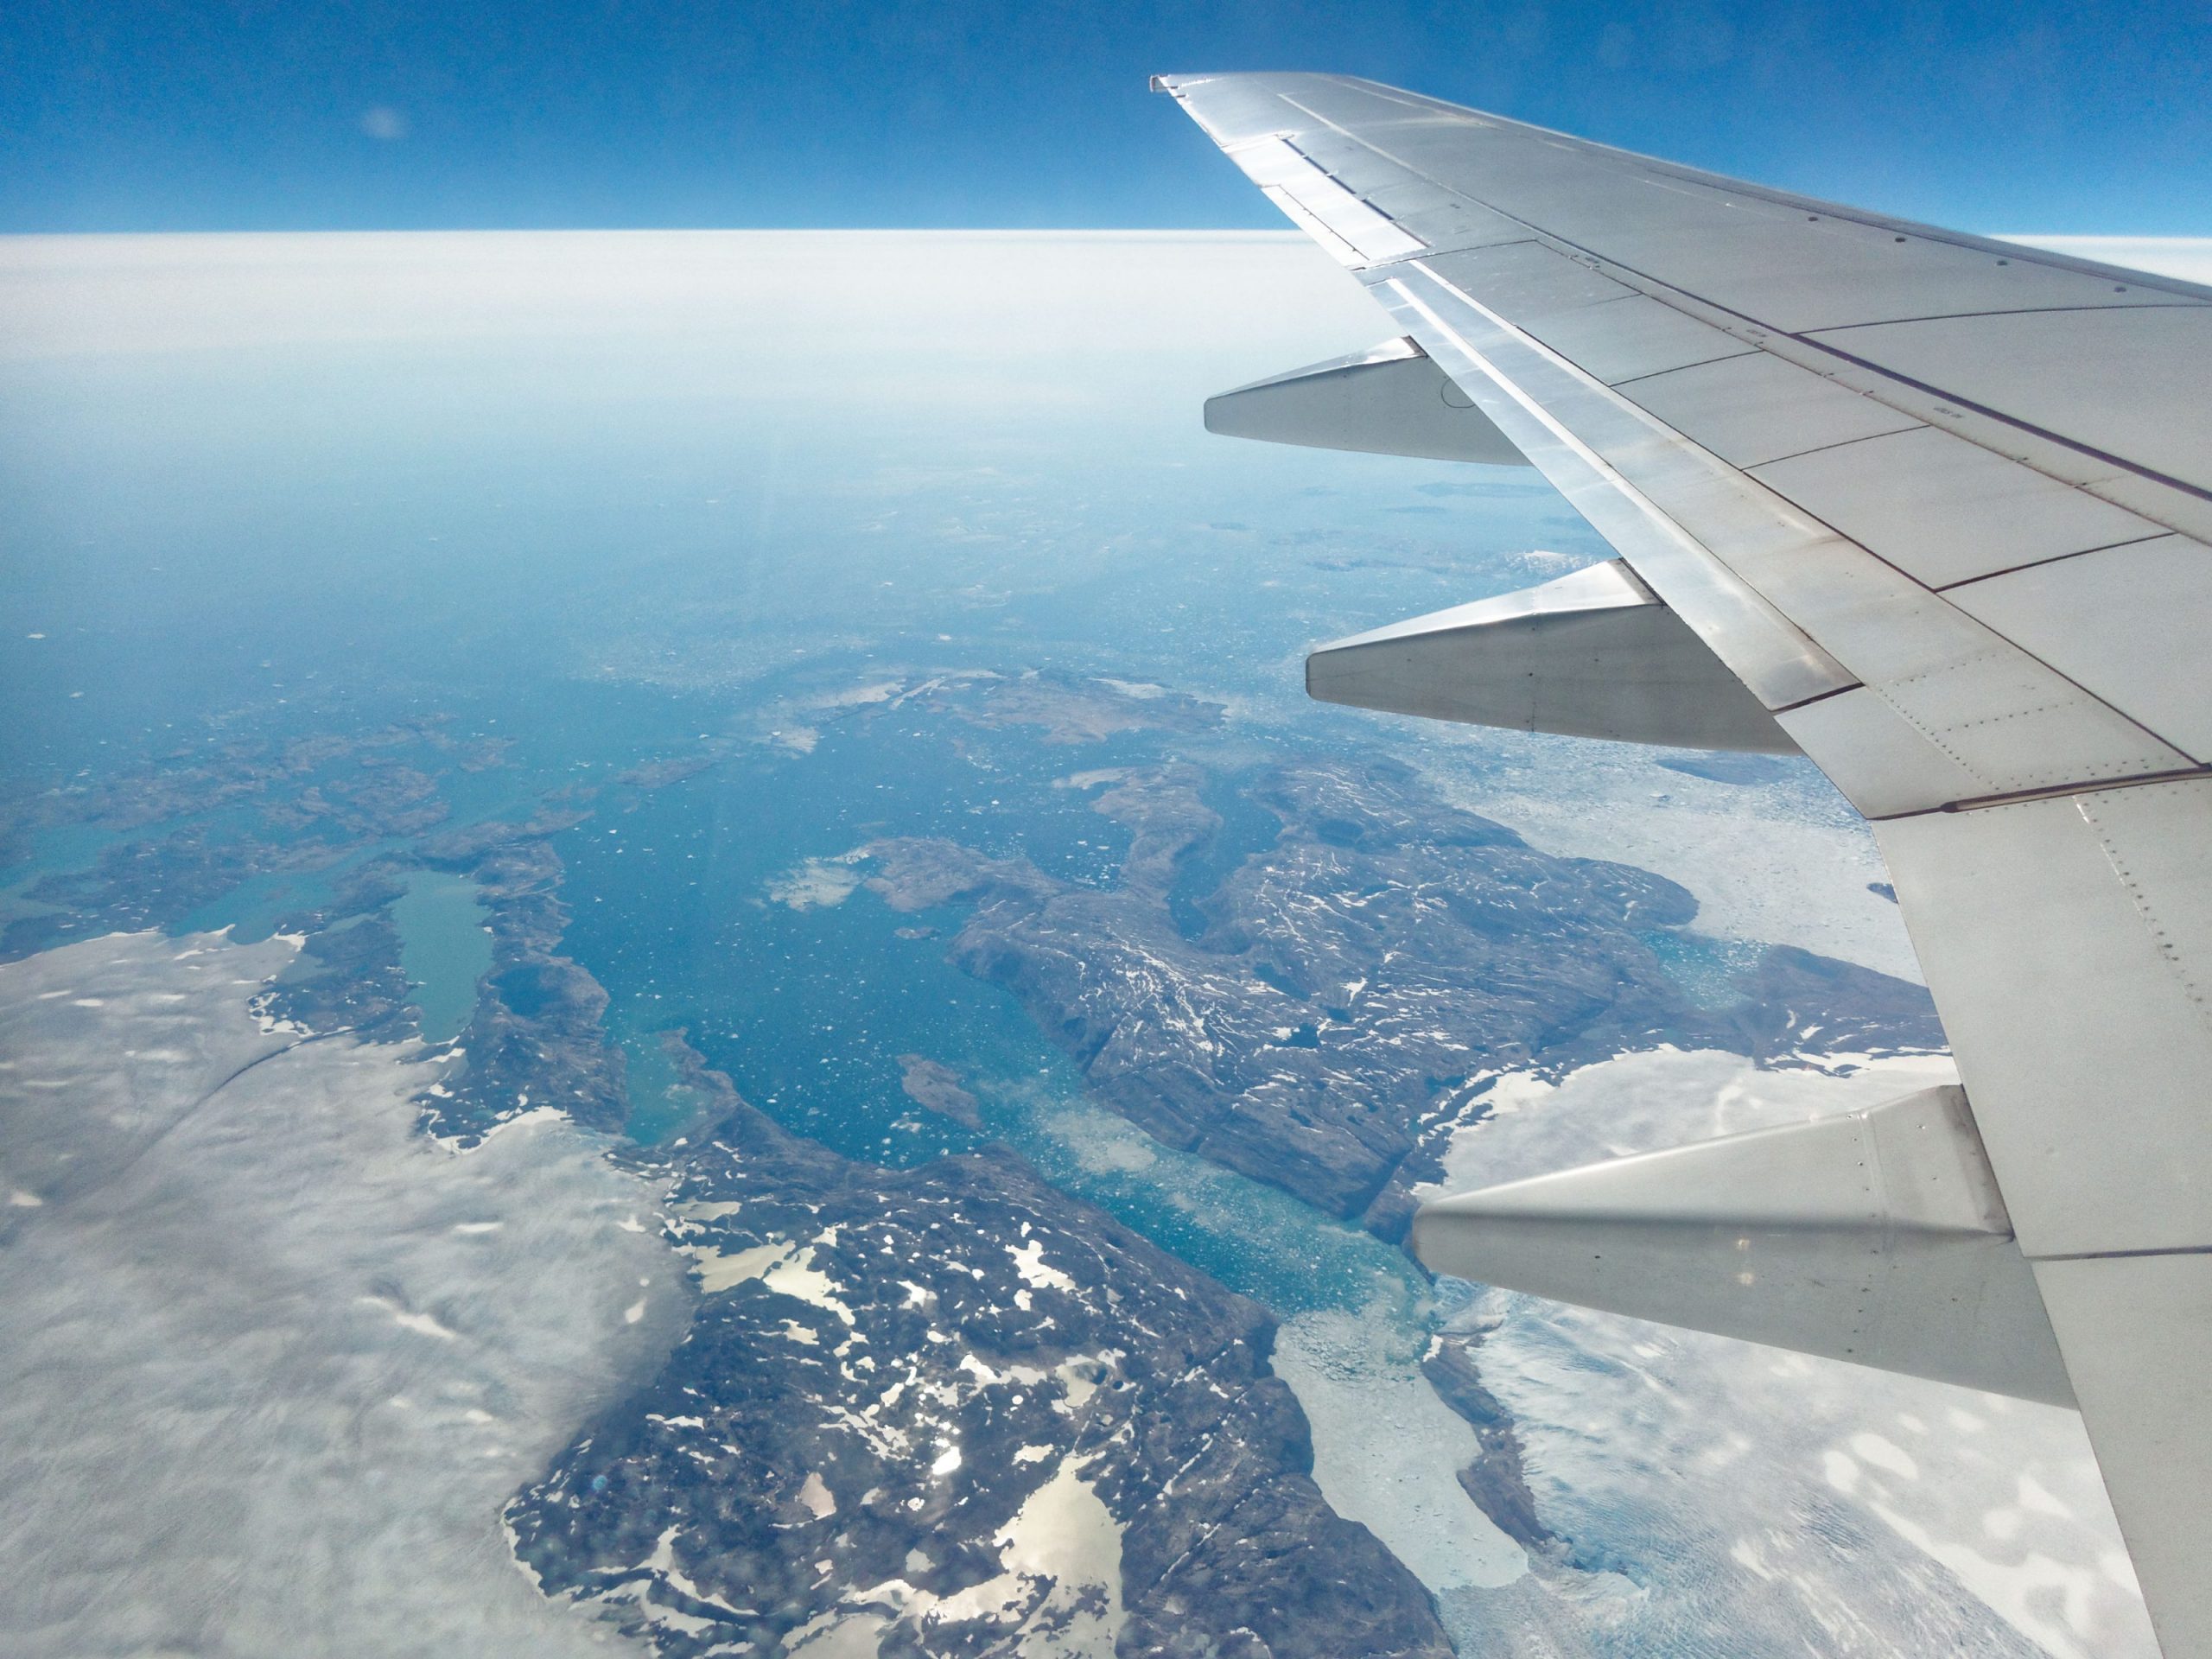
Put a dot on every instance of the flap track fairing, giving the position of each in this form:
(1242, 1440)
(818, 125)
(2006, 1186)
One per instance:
(1391, 401)
(1594, 654)
(1876, 1236)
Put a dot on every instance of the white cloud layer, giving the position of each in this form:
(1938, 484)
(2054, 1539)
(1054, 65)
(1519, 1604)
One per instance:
(2189, 258)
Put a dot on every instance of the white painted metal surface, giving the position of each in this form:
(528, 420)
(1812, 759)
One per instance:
(2126, 624)
(2123, 380)
(1944, 504)
(1631, 338)
(1594, 654)
(1945, 511)
(1877, 756)
(1875, 1236)
(2145, 1413)
(1699, 529)
(2068, 945)
(1530, 279)
(1351, 230)
(1755, 408)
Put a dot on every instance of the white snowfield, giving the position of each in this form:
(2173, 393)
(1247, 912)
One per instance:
(270, 1362)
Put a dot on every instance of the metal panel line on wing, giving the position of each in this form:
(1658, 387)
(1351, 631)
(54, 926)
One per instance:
(1825, 210)
(2190, 296)
(1743, 483)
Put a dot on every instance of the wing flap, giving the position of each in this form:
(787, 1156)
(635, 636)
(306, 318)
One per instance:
(1628, 339)
(1527, 279)
(2137, 1332)
(2107, 378)
(1752, 409)
(2126, 624)
(2067, 942)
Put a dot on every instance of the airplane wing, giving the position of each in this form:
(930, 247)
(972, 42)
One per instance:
(1933, 510)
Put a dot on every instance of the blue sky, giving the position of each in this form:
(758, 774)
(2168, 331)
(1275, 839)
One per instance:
(183, 114)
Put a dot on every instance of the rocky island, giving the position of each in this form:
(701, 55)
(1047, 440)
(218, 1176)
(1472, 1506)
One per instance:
(1346, 991)
(951, 1410)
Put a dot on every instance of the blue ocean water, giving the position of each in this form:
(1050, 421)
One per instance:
(808, 1009)
(601, 545)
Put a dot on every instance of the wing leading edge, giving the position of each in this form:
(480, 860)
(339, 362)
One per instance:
(1941, 506)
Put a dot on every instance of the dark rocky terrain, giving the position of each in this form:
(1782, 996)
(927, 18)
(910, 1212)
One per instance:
(225, 810)
(966, 1412)
(535, 1037)
(1341, 991)
(365, 812)
(1109, 1403)
(951, 1405)
(1069, 708)
(1795, 1001)
(1497, 1479)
